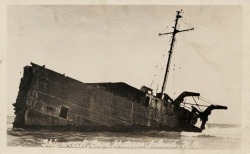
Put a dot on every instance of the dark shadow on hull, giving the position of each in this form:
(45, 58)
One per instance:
(117, 128)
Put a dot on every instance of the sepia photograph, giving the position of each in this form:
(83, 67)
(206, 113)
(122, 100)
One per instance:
(162, 77)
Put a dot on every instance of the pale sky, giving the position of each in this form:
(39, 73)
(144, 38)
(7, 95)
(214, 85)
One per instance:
(121, 44)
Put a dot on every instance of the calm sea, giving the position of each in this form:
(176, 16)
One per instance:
(216, 136)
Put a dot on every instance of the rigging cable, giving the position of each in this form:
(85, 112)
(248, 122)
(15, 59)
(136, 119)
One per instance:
(181, 78)
(179, 65)
(159, 72)
(176, 66)
(185, 23)
(156, 70)
(186, 107)
(196, 103)
(170, 58)
(161, 68)
(175, 41)
(207, 100)
(163, 55)
(174, 75)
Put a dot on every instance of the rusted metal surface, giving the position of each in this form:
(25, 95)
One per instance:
(47, 98)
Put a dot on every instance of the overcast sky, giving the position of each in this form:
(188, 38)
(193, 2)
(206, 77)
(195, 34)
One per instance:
(121, 43)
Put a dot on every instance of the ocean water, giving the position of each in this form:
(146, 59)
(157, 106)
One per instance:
(216, 136)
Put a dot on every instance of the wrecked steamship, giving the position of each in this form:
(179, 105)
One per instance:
(47, 99)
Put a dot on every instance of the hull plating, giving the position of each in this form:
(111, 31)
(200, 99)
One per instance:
(47, 99)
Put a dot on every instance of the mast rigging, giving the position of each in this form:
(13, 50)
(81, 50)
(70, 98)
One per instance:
(171, 48)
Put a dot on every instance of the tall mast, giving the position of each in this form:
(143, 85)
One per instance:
(171, 48)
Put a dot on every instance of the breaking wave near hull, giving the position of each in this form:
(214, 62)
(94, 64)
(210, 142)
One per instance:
(217, 130)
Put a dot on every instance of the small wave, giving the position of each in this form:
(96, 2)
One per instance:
(231, 132)
(190, 134)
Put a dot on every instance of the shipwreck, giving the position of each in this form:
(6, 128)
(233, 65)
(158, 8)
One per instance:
(47, 99)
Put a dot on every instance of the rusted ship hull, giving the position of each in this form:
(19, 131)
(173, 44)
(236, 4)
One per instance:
(47, 99)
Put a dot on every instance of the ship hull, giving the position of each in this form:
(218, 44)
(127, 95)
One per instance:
(47, 99)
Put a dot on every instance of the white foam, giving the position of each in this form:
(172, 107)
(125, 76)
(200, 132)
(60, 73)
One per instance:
(231, 132)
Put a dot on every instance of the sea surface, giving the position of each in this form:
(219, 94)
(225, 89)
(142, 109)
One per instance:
(216, 136)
